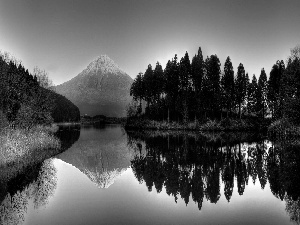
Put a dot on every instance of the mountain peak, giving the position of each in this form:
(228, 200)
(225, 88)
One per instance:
(102, 88)
(104, 58)
(104, 64)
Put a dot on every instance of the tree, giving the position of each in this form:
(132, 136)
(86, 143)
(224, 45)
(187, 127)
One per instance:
(137, 90)
(148, 84)
(197, 72)
(262, 93)
(274, 87)
(290, 89)
(252, 95)
(171, 74)
(42, 77)
(227, 85)
(295, 53)
(184, 74)
(240, 87)
(213, 73)
(158, 81)
(184, 85)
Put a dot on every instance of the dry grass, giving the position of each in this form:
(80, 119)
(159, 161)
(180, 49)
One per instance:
(209, 125)
(283, 129)
(18, 144)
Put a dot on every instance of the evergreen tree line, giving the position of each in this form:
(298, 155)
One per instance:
(198, 90)
(27, 100)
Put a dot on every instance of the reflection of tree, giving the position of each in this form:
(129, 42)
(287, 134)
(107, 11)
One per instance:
(228, 174)
(293, 209)
(283, 164)
(13, 208)
(241, 172)
(193, 166)
(45, 185)
(260, 164)
(37, 183)
(137, 164)
(197, 186)
(275, 165)
(185, 165)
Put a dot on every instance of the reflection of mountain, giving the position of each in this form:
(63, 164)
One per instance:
(191, 166)
(103, 179)
(101, 154)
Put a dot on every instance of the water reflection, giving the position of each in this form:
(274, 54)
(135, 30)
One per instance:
(68, 135)
(192, 166)
(42, 178)
(293, 209)
(36, 183)
(100, 154)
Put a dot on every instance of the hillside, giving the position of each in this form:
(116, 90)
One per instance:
(24, 102)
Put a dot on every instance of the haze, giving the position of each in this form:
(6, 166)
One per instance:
(63, 37)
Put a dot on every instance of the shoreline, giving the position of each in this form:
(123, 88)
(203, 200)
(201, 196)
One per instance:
(232, 125)
(21, 148)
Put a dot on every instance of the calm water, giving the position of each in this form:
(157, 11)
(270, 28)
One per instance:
(108, 176)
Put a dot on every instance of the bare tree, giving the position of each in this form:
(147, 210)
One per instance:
(43, 78)
(295, 53)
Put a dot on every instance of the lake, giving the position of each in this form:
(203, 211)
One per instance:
(109, 176)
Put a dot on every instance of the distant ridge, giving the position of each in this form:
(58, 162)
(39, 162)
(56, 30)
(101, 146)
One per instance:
(100, 89)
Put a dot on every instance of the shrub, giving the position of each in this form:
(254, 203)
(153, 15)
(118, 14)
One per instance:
(211, 125)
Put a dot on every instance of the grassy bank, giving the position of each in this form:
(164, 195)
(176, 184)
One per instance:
(210, 125)
(283, 129)
(21, 148)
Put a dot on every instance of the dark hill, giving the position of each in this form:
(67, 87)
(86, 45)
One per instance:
(24, 102)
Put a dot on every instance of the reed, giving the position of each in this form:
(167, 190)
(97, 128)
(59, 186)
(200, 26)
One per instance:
(209, 125)
(20, 148)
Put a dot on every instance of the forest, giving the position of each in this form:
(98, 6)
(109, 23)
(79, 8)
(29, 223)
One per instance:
(29, 99)
(199, 90)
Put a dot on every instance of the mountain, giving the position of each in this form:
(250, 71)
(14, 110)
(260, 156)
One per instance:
(100, 89)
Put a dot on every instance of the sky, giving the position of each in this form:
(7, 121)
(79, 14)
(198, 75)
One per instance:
(64, 36)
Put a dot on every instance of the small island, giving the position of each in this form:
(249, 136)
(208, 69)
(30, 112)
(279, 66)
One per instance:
(198, 95)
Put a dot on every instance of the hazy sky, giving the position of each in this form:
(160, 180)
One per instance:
(62, 37)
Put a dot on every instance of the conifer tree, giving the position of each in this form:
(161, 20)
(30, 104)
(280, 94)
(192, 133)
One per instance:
(274, 88)
(252, 95)
(171, 74)
(184, 73)
(148, 84)
(197, 72)
(290, 87)
(227, 85)
(240, 87)
(213, 73)
(158, 81)
(262, 93)
(184, 85)
(168, 86)
(137, 90)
